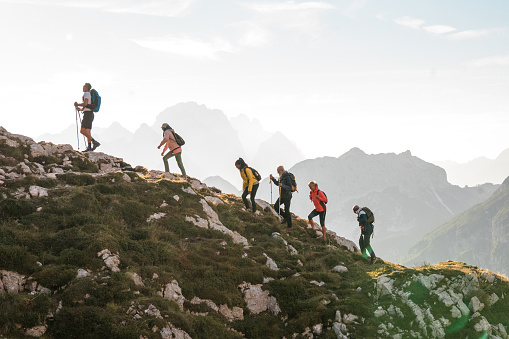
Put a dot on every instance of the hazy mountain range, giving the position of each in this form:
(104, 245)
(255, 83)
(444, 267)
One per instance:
(477, 171)
(213, 142)
(410, 197)
(480, 236)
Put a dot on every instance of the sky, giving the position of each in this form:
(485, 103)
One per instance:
(428, 76)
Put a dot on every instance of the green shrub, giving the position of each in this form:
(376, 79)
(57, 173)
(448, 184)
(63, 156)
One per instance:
(15, 208)
(76, 179)
(26, 310)
(82, 164)
(82, 321)
(54, 277)
(17, 258)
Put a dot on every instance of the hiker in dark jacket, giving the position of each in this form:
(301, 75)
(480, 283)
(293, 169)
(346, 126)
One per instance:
(249, 184)
(285, 198)
(366, 231)
(319, 200)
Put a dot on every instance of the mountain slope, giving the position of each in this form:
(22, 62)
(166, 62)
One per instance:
(480, 235)
(409, 196)
(90, 247)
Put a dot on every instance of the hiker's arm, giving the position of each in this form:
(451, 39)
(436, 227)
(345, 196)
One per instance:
(363, 219)
(275, 181)
(162, 142)
(83, 104)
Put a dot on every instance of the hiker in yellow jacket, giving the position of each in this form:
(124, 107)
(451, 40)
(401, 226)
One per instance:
(249, 183)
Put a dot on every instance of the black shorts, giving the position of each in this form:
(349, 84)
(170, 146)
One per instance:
(314, 213)
(88, 117)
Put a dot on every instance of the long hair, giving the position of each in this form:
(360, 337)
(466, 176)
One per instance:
(240, 162)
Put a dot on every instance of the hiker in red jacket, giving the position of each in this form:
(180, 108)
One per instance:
(319, 199)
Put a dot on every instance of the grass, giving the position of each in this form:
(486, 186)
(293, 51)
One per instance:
(84, 215)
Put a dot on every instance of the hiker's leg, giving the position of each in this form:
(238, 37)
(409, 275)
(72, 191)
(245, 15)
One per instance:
(253, 195)
(361, 245)
(86, 125)
(178, 156)
(311, 215)
(276, 206)
(322, 223)
(165, 160)
(86, 133)
(288, 215)
(367, 244)
(244, 197)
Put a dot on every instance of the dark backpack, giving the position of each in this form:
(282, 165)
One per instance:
(178, 139)
(369, 214)
(323, 203)
(294, 183)
(255, 173)
(96, 101)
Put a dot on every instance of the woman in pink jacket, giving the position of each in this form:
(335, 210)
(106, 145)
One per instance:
(319, 199)
(175, 150)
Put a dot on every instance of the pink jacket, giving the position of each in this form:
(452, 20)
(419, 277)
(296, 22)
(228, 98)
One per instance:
(171, 144)
(318, 202)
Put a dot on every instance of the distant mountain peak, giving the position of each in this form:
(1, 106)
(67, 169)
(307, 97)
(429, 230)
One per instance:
(355, 151)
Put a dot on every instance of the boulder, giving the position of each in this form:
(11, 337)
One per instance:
(12, 281)
(111, 260)
(172, 291)
(38, 192)
(257, 300)
(340, 269)
(37, 331)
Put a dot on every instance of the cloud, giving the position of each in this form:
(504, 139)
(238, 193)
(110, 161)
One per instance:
(356, 6)
(187, 47)
(254, 35)
(498, 60)
(167, 8)
(471, 34)
(409, 22)
(289, 6)
(439, 29)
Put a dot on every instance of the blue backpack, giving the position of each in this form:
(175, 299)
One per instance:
(96, 101)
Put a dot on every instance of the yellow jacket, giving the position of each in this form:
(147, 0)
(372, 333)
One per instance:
(248, 178)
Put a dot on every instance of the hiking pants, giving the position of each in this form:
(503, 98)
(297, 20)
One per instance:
(314, 213)
(287, 216)
(364, 245)
(253, 194)
(178, 157)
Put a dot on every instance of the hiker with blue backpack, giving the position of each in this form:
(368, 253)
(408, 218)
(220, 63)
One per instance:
(319, 200)
(366, 218)
(250, 182)
(173, 142)
(91, 103)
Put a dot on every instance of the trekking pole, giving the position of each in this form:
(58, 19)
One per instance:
(279, 207)
(270, 183)
(77, 133)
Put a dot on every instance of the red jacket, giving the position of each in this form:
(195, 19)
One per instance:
(318, 202)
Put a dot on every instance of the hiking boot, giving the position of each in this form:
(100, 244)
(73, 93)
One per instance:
(373, 260)
(88, 149)
(284, 221)
(95, 145)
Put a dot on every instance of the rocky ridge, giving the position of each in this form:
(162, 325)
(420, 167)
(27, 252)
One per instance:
(120, 252)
